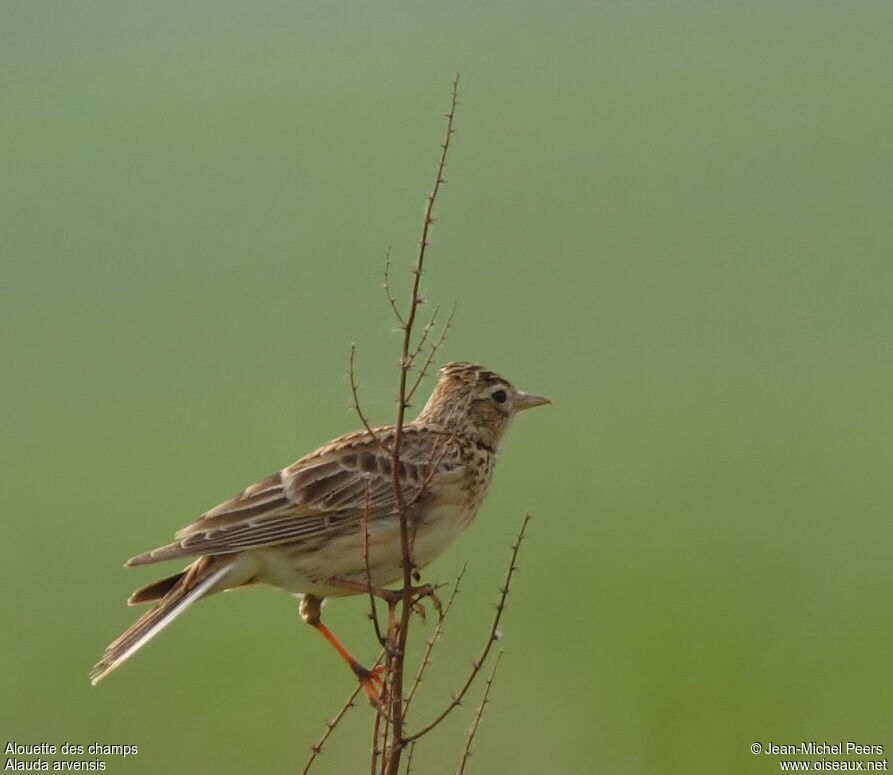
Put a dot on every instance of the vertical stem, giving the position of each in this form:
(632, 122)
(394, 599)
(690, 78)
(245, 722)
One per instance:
(397, 657)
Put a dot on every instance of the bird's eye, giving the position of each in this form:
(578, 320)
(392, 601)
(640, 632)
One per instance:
(499, 396)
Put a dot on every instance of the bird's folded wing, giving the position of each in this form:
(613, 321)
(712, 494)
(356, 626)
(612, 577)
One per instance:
(343, 483)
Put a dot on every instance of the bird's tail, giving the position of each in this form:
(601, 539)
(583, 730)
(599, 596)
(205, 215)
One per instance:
(174, 595)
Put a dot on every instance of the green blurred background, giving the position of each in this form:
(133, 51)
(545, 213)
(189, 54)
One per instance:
(674, 219)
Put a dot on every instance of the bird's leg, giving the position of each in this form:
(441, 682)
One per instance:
(393, 596)
(371, 680)
(361, 586)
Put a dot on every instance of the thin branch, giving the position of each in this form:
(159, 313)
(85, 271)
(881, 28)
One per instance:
(432, 642)
(413, 309)
(494, 636)
(373, 610)
(396, 662)
(386, 751)
(433, 351)
(330, 727)
(376, 749)
(409, 759)
(477, 716)
(426, 330)
(354, 389)
(387, 287)
(433, 469)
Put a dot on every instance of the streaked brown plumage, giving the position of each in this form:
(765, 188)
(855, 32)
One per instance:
(302, 529)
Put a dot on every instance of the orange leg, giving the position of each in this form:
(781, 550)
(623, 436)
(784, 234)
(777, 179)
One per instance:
(373, 683)
(371, 680)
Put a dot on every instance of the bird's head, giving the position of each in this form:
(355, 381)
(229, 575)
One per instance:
(472, 401)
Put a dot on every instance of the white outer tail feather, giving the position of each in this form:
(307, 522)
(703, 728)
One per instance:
(196, 593)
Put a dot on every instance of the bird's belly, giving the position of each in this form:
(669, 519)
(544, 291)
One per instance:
(442, 525)
(310, 567)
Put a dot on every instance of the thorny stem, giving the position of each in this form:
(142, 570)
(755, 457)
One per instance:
(385, 743)
(397, 659)
(354, 389)
(432, 642)
(330, 727)
(432, 352)
(477, 716)
(409, 759)
(433, 464)
(388, 738)
(376, 750)
(373, 610)
(494, 636)
(423, 337)
(387, 286)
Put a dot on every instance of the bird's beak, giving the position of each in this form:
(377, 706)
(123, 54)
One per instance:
(528, 401)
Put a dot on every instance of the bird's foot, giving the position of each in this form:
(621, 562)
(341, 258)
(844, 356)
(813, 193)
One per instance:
(394, 596)
(422, 592)
(371, 681)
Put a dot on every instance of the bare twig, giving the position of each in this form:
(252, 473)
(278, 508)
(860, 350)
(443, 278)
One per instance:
(387, 287)
(432, 468)
(376, 746)
(409, 759)
(389, 738)
(426, 330)
(432, 642)
(431, 353)
(373, 609)
(494, 636)
(386, 750)
(477, 716)
(354, 389)
(396, 662)
(330, 727)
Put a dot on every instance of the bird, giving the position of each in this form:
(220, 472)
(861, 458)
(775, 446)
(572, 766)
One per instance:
(328, 525)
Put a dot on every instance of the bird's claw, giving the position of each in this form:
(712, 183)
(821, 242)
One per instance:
(372, 682)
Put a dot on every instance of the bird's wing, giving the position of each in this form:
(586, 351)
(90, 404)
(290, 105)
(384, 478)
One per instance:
(341, 483)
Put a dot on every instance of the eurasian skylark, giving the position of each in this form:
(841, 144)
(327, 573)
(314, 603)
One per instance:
(311, 528)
